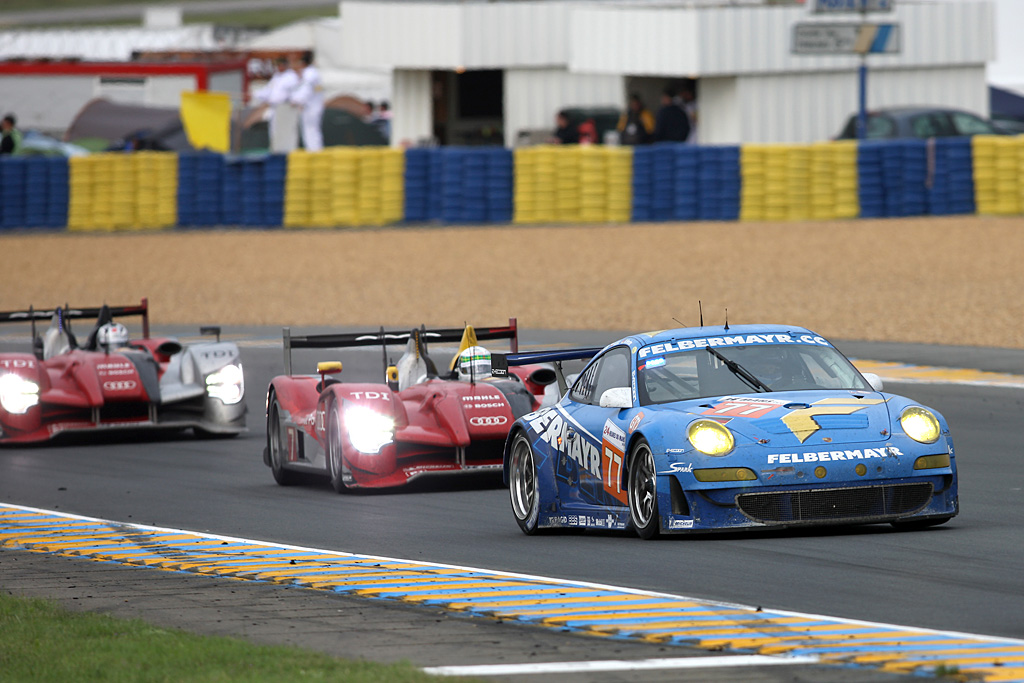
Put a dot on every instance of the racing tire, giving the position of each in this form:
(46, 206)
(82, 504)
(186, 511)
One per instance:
(642, 491)
(917, 525)
(523, 488)
(337, 468)
(282, 476)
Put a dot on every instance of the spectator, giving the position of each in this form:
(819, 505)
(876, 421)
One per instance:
(690, 107)
(565, 134)
(636, 125)
(10, 141)
(383, 121)
(309, 95)
(275, 93)
(672, 125)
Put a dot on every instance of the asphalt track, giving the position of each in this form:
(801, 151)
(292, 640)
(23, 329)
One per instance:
(967, 576)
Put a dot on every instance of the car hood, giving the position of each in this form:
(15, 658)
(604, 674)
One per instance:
(798, 418)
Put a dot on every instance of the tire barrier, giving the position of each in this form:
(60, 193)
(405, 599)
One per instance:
(547, 184)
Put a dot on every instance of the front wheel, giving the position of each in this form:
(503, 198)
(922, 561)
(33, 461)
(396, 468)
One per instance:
(522, 485)
(282, 476)
(642, 491)
(336, 465)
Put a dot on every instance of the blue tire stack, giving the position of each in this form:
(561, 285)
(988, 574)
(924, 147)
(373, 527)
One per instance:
(13, 188)
(231, 192)
(209, 181)
(663, 187)
(417, 184)
(451, 184)
(870, 179)
(186, 189)
(251, 209)
(952, 188)
(474, 186)
(687, 191)
(275, 168)
(59, 184)
(643, 183)
(915, 178)
(718, 183)
(498, 185)
(37, 191)
(892, 179)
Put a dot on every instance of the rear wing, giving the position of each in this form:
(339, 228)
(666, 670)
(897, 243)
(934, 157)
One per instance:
(68, 313)
(501, 362)
(383, 338)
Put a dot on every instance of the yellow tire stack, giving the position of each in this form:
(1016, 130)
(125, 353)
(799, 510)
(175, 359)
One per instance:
(573, 184)
(754, 179)
(157, 188)
(298, 190)
(345, 180)
(619, 184)
(593, 177)
(997, 173)
(776, 183)
(392, 184)
(568, 183)
(844, 177)
(798, 182)
(370, 175)
(81, 174)
(321, 186)
(524, 192)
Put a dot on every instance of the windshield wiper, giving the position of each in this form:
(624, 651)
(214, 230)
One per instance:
(740, 371)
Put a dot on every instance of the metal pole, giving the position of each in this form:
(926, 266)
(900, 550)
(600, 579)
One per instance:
(862, 107)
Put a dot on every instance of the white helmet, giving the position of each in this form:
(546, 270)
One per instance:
(112, 335)
(474, 363)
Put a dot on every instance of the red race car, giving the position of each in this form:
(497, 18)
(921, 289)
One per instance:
(419, 421)
(108, 381)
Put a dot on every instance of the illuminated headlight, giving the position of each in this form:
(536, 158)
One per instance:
(227, 384)
(920, 424)
(710, 437)
(18, 394)
(368, 430)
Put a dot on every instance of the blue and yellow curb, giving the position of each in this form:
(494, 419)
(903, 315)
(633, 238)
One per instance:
(586, 608)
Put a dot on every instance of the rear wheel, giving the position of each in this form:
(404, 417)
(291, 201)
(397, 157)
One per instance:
(642, 491)
(522, 485)
(337, 468)
(282, 476)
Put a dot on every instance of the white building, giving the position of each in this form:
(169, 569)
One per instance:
(461, 68)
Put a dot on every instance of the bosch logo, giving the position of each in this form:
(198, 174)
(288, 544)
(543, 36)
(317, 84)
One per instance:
(488, 421)
(121, 385)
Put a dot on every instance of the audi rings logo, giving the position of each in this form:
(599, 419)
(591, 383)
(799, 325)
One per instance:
(488, 421)
(119, 385)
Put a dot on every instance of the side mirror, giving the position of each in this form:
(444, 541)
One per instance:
(874, 380)
(617, 397)
(328, 367)
(210, 330)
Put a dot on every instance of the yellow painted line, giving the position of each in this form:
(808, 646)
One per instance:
(902, 372)
(592, 609)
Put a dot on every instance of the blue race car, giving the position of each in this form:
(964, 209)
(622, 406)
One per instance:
(725, 428)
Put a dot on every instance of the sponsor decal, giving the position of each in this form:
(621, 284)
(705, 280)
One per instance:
(613, 455)
(675, 450)
(827, 456)
(768, 474)
(802, 423)
(737, 340)
(217, 353)
(488, 420)
(553, 429)
(744, 407)
(17, 363)
(635, 422)
(680, 524)
(370, 395)
(678, 467)
(483, 401)
(654, 363)
(119, 385)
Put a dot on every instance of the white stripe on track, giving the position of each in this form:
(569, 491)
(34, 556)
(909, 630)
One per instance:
(720, 662)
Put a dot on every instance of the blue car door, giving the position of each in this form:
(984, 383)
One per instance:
(589, 470)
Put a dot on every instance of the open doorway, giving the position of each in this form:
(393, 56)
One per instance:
(468, 107)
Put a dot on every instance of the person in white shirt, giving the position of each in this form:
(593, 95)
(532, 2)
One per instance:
(309, 95)
(275, 93)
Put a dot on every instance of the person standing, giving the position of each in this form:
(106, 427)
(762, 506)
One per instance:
(565, 134)
(309, 95)
(636, 125)
(274, 94)
(672, 125)
(10, 141)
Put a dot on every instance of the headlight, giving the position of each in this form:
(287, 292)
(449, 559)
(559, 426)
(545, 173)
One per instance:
(710, 437)
(18, 394)
(368, 430)
(227, 384)
(920, 424)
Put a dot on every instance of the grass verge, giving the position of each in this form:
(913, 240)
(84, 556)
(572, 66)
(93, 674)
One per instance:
(43, 642)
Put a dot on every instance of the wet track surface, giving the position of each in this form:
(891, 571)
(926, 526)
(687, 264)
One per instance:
(966, 576)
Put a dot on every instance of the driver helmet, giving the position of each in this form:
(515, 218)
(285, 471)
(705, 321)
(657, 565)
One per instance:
(112, 335)
(474, 363)
(769, 366)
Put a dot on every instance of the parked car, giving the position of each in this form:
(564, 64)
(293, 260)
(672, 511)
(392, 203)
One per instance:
(919, 122)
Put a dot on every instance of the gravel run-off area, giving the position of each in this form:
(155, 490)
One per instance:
(949, 280)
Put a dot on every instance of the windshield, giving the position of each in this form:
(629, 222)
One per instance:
(725, 370)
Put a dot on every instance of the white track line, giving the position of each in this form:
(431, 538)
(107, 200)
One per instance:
(719, 662)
